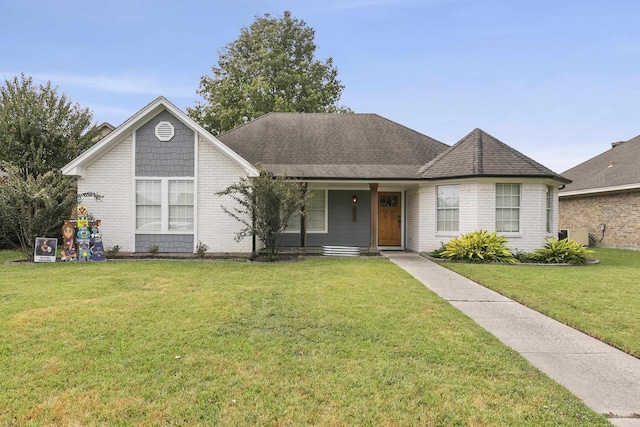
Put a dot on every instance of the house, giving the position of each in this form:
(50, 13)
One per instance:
(103, 130)
(374, 184)
(604, 197)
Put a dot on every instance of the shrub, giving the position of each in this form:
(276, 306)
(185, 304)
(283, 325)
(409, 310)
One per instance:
(563, 251)
(201, 249)
(479, 246)
(437, 253)
(153, 250)
(523, 257)
(112, 251)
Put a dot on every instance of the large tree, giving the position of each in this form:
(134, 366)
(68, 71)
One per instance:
(270, 67)
(41, 130)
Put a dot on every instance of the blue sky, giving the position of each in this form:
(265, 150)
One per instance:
(557, 80)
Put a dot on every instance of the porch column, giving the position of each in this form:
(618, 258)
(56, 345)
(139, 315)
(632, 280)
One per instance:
(303, 224)
(373, 239)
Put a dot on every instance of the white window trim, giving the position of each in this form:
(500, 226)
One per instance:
(325, 230)
(164, 207)
(508, 233)
(447, 232)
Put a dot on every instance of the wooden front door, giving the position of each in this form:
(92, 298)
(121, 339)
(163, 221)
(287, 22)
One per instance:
(389, 219)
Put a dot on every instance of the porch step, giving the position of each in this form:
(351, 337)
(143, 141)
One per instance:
(340, 251)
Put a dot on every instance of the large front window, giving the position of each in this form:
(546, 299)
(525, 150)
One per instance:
(508, 208)
(448, 208)
(316, 211)
(164, 205)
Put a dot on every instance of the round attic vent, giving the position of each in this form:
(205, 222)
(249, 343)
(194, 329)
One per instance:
(165, 131)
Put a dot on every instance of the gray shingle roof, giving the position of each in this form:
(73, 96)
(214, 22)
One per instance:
(618, 166)
(352, 146)
(480, 154)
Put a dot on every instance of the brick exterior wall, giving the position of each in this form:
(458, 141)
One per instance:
(413, 219)
(620, 212)
(112, 177)
(477, 212)
(216, 228)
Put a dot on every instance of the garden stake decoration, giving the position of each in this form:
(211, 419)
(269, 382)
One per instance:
(82, 239)
(68, 252)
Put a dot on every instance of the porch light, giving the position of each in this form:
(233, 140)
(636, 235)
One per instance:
(354, 198)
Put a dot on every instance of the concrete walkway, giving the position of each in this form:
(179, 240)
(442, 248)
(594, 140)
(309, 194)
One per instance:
(606, 379)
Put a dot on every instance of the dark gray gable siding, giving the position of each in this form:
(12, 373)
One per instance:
(342, 230)
(175, 243)
(165, 158)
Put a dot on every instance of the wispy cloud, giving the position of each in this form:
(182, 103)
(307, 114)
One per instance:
(120, 84)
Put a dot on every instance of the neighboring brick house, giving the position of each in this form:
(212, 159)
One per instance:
(604, 197)
(375, 184)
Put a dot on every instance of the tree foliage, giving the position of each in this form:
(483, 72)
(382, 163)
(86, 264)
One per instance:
(270, 67)
(264, 205)
(35, 206)
(41, 130)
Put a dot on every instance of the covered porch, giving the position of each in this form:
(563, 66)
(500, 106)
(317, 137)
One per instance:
(368, 215)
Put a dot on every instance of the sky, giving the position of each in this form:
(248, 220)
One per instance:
(556, 80)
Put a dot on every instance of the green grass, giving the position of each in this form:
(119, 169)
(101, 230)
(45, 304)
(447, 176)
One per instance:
(601, 300)
(337, 342)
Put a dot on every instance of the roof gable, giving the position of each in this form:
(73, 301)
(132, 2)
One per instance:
(77, 165)
(616, 168)
(480, 154)
(321, 145)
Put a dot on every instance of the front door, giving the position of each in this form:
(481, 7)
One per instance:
(389, 219)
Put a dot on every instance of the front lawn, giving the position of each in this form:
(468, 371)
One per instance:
(337, 342)
(601, 300)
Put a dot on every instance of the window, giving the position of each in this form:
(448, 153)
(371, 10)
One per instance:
(181, 205)
(549, 207)
(508, 208)
(164, 205)
(388, 200)
(448, 208)
(316, 211)
(148, 205)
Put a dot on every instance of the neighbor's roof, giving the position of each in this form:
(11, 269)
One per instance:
(480, 154)
(616, 169)
(325, 145)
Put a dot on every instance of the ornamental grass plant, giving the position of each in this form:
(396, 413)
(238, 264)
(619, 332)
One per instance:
(563, 251)
(479, 246)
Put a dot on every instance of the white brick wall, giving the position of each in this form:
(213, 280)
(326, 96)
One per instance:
(413, 219)
(533, 218)
(216, 228)
(477, 212)
(428, 239)
(111, 177)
